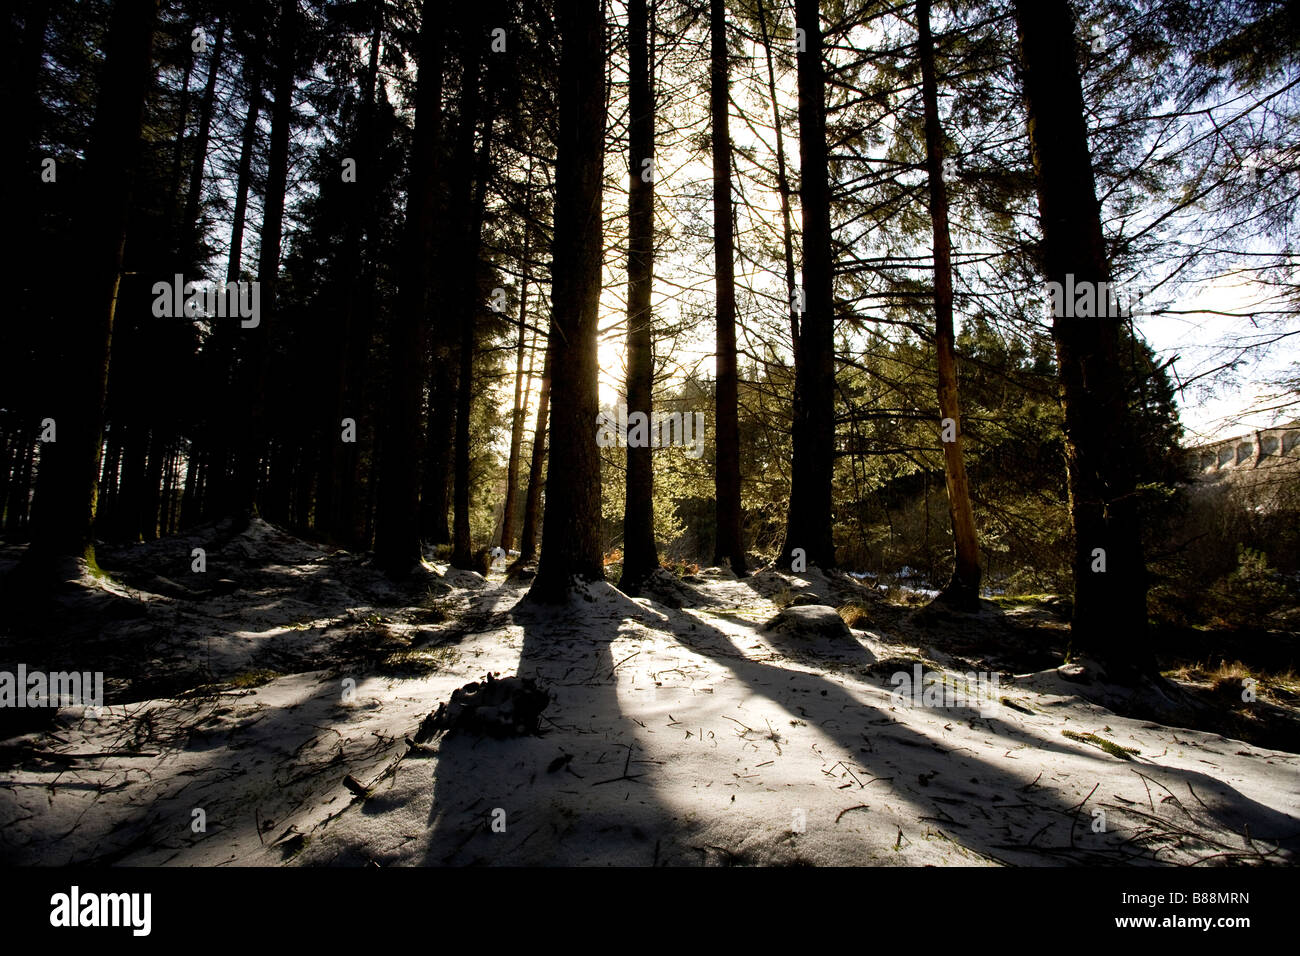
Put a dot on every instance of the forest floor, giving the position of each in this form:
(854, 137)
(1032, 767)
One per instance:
(275, 713)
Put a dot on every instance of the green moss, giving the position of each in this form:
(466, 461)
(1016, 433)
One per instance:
(254, 678)
(1112, 748)
(92, 565)
(417, 662)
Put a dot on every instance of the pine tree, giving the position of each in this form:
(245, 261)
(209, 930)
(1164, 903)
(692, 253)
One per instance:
(571, 523)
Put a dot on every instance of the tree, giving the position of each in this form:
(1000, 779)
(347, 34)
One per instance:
(1110, 614)
(64, 509)
(522, 384)
(571, 522)
(468, 186)
(964, 588)
(533, 498)
(808, 521)
(640, 556)
(397, 530)
(248, 460)
(729, 546)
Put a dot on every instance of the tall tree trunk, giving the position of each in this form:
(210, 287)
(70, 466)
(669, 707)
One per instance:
(243, 179)
(469, 193)
(218, 493)
(728, 545)
(64, 509)
(808, 522)
(964, 588)
(640, 556)
(397, 530)
(533, 499)
(1110, 614)
(782, 183)
(435, 495)
(248, 463)
(192, 238)
(338, 460)
(571, 524)
(150, 501)
(177, 240)
(521, 399)
(20, 193)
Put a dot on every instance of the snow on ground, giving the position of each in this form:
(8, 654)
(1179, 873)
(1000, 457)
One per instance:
(724, 731)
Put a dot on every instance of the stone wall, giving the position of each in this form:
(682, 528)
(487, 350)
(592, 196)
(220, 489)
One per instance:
(1263, 448)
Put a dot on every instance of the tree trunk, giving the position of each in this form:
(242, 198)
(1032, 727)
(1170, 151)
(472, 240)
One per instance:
(964, 588)
(192, 237)
(64, 509)
(338, 460)
(469, 193)
(218, 495)
(782, 183)
(571, 548)
(640, 556)
(248, 464)
(521, 399)
(808, 522)
(532, 501)
(177, 240)
(1110, 614)
(435, 495)
(728, 546)
(397, 530)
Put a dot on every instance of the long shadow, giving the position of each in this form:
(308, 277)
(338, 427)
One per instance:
(960, 786)
(787, 634)
(577, 793)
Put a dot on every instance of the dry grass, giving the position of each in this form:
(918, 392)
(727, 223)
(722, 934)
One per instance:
(855, 615)
(1229, 680)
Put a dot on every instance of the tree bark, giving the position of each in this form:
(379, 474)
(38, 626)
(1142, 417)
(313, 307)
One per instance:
(64, 509)
(339, 461)
(640, 557)
(517, 413)
(728, 546)
(964, 588)
(470, 193)
(1110, 615)
(192, 238)
(397, 540)
(218, 494)
(252, 441)
(808, 521)
(571, 548)
(782, 183)
(533, 499)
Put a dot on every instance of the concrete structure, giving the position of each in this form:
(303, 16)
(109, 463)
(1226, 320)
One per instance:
(1263, 448)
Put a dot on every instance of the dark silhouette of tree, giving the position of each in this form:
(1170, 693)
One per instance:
(729, 545)
(1110, 614)
(571, 548)
(640, 556)
(397, 530)
(808, 522)
(64, 508)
